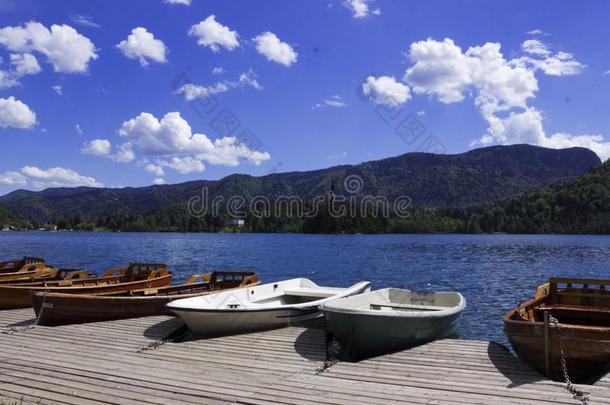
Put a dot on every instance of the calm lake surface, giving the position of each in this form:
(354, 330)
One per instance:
(493, 272)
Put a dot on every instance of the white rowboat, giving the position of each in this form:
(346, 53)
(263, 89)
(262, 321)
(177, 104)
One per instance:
(392, 319)
(262, 307)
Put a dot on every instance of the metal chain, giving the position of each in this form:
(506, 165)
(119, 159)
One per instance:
(19, 329)
(326, 366)
(174, 336)
(576, 393)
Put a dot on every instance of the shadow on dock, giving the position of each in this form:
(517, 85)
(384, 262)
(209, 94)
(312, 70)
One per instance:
(310, 344)
(517, 372)
(19, 324)
(164, 329)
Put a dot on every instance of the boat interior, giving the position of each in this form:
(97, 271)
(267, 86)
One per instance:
(398, 300)
(198, 283)
(571, 300)
(297, 295)
(10, 266)
(116, 275)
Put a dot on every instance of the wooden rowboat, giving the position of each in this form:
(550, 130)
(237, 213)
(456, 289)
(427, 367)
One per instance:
(582, 308)
(115, 280)
(61, 309)
(13, 266)
(40, 273)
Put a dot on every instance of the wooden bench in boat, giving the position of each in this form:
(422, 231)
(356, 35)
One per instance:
(311, 292)
(408, 306)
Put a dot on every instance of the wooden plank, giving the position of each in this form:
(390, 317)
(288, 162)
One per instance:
(100, 363)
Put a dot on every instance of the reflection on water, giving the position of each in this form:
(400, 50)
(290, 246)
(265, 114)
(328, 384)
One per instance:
(493, 272)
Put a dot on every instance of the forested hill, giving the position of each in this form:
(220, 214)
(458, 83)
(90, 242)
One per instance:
(477, 177)
(578, 206)
(7, 217)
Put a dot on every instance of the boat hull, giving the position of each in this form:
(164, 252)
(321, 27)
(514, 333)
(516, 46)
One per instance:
(586, 350)
(12, 297)
(64, 309)
(362, 336)
(213, 323)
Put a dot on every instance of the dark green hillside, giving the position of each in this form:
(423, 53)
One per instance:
(7, 217)
(578, 206)
(474, 178)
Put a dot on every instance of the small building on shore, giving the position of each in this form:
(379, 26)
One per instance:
(235, 223)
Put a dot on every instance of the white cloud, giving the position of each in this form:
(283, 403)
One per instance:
(13, 179)
(360, 8)
(337, 156)
(57, 177)
(385, 90)
(142, 45)
(58, 89)
(21, 64)
(154, 169)
(184, 165)
(84, 20)
(192, 91)
(214, 35)
(535, 47)
(180, 2)
(559, 64)
(421, 113)
(171, 137)
(78, 129)
(218, 70)
(440, 68)
(7, 79)
(249, 79)
(15, 114)
(270, 46)
(334, 101)
(537, 31)
(24, 64)
(97, 147)
(125, 153)
(158, 181)
(66, 49)
(501, 88)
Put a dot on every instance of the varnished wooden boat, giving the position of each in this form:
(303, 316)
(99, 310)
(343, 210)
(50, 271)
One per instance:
(40, 273)
(115, 280)
(13, 266)
(582, 307)
(62, 309)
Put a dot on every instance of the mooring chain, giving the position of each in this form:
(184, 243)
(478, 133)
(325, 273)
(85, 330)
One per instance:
(576, 393)
(326, 366)
(19, 329)
(172, 337)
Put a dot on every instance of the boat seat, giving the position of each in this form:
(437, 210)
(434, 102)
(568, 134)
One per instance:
(311, 292)
(409, 306)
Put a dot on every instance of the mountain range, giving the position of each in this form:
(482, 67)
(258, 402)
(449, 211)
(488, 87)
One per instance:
(474, 178)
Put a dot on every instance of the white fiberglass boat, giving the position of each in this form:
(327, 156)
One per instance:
(262, 307)
(392, 319)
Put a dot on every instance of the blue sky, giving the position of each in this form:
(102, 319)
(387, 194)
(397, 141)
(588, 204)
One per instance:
(104, 92)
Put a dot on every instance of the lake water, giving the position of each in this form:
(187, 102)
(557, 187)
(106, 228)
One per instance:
(493, 272)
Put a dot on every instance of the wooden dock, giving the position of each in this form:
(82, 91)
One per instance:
(103, 363)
